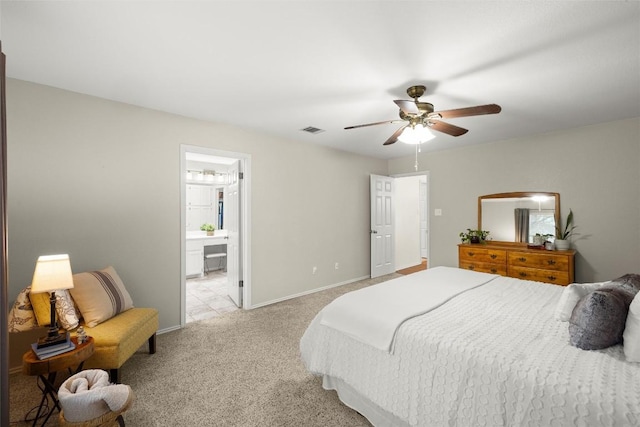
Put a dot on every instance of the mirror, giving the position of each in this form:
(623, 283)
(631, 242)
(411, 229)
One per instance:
(537, 212)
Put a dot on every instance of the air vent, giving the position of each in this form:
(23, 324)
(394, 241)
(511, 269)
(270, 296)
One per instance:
(312, 130)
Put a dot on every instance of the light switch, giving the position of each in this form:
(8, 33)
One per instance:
(437, 212)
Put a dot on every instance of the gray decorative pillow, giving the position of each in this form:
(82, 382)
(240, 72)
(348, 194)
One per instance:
(629, 283)
(599, 318)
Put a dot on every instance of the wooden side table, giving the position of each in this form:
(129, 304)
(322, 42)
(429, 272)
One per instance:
(47, 369)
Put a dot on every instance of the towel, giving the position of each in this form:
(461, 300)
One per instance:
(89, 394)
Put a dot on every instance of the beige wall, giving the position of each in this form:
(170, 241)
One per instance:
(100, 180)
(596, 170)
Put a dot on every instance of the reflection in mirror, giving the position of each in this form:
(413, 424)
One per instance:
(519, 216)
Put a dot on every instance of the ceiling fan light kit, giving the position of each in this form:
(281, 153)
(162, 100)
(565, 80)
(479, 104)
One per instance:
(421, 116)
(417, 134)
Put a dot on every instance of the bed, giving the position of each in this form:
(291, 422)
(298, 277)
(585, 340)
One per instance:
(490, 353)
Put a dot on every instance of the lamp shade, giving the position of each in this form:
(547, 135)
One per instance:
(416, 135)
(52, 273)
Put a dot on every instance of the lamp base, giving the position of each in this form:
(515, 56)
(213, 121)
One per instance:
(54, 339)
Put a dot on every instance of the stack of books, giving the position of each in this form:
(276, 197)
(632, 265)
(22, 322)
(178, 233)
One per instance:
(53, 350)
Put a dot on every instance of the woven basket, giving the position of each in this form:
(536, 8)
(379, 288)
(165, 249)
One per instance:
(113, 418)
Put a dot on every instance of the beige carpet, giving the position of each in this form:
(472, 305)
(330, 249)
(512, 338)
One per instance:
(240, 369)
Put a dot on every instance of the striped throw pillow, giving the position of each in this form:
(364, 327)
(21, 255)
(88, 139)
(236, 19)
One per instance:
(100, 295)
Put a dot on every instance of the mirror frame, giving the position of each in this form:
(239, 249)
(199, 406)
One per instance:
(517, 194)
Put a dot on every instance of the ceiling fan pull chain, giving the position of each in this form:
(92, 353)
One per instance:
(416, 164)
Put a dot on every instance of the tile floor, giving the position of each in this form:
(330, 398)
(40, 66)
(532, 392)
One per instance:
(207, 296)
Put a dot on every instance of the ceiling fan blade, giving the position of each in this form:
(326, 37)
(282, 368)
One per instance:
(408, 107)
(469, 111)
(373, 124)
(393, 138)
(447, 128)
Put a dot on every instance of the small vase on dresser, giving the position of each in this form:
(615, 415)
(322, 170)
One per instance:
(562, 245)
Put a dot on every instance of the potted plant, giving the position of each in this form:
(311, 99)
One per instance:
(209, 228)
(563, 233)
(474, 236)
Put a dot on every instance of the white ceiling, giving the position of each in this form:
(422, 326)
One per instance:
(278, 67)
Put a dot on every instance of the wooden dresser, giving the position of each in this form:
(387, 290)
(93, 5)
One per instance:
(518, 261)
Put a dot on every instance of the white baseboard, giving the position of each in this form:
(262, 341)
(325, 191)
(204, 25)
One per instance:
(169, 329)
(312, 291)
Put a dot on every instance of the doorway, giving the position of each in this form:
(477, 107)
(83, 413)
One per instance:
(215, 273)
(399, 223)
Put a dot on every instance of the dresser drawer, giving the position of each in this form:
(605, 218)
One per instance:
(479, 254)
(545, 261)
(539, 275)
(484, 267)
(520, 262)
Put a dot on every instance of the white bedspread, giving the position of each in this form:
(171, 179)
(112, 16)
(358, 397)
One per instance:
(373, 314)
(492, 356)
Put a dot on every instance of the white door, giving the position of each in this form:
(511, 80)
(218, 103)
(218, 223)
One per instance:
(232, 225)
(382, 226)
(424, 228)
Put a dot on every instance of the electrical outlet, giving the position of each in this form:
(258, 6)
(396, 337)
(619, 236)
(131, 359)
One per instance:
(314, 270)
(337, 266)
(437, 212)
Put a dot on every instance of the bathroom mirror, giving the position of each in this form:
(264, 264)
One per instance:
(516, 217)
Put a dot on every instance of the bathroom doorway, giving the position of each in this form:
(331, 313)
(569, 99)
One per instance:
(214, 247)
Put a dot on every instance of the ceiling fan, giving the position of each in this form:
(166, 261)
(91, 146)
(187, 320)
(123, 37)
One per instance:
(420, 115)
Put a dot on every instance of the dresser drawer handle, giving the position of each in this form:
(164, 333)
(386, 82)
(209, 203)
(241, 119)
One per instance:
(471, 253)
(552, 278)
(523, 274)
(494, 270)
(471, 267)
(551, 262)
(522, 259)
(493, 256)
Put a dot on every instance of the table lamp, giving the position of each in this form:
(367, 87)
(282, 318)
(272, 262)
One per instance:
(52, 273)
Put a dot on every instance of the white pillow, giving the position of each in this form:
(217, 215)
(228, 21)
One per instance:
(100, 295)
(570, 297)
(631, 334)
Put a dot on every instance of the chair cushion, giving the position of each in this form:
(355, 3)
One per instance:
(116, 339)
(215, 255)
